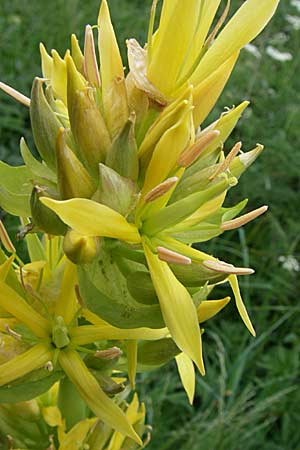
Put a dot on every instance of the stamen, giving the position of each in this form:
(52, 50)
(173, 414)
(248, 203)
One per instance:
(5, 239)
(243, 220)
(228, 160)
(12, 333)
(219, 24)
(192, 153)
(15, 94)
(222, 267)
(110, 353)
(78, 296)
(161, 189)
(169, 256)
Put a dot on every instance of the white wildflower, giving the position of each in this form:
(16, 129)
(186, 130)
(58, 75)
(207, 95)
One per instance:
(296, 4)
(294, 21)
(253, 50)
(278, 55)
(289, 263)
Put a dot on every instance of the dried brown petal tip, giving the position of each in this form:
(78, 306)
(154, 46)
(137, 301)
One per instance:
(222, 267)
(243, 220)
(169, 256)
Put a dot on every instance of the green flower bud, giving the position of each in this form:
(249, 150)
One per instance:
(42, 217)
(78, 248)
(44, 122)
(73, 179)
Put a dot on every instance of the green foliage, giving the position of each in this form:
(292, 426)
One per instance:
(248, 399)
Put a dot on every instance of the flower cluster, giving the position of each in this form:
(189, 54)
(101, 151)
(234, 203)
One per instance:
(129, 179)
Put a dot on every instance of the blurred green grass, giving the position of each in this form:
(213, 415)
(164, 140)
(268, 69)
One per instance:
(248, 398)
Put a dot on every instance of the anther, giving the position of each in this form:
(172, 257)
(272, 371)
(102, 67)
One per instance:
(243, 220)
(222, 267)
(169, 256)
(160, 189)
(192, 153)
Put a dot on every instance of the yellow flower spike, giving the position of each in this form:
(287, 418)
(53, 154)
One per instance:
(208, 91)
(244, 26)
(209, 308)
(132, 350)
(187, 375)
(26, 362)
(90, 61)
(112, 74)
(59, 77)
(47, 62)
(67, 304)
(170, 47)
(178, 309)
(168, 149)
(17, 307)
(93, 219)
(91, 333)
(88, 387)
(240, 304)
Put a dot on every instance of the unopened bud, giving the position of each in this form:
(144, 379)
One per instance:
(90, 61)
(243, 220)
(44, 122)
(44, 218)
(189, 156)
(78, 248)
(222, 267)
(73, 179)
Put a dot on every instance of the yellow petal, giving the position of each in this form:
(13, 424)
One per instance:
(17, 307)
(93, 219)
(240, 304)
(170, 46)
(91, 333)
(187, 375)
(59, 77)
(5, 239)
(5, 267)
(52, 416)
(177, 307)
(244, 26)
(89, 389)
(208, 91)
(112, 73)
(209, 308)
(47, 62)
(67, 304)
(75, 438)
(26, 362)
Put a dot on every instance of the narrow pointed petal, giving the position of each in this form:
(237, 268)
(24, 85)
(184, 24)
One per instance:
(5, 268)
(177, 307)
(26, 362)
(93, 219)
(209, 308)
(47, 62)
(91, 392)
(17, 307)
(5, 239)
(187, 375)
(244, 26)
(76, 53)
(91, 333)
(59, 77)
(240, 304)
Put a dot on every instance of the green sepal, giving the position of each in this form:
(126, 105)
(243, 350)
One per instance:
(102, 364)
(29, 386)
(15, 189)
(157, 353)
(196, 275)
(36, 167)
(108, 385)
(123, 156)
(44, 218)
(115, 191)
(44, 123)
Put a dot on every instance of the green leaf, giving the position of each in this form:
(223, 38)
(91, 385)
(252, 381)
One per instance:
(29, 387)
(15, 204)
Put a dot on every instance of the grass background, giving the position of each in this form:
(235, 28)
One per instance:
(249, 397)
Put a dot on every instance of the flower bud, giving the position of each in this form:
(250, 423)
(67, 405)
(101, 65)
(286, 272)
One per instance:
(122, 156)
(73, 179)
(44, 122)
(42, 217)
(78, 248)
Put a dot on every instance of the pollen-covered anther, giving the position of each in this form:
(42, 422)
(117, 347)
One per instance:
(191, 154)
(160, 189)
(222, 267)
(228, 160)
(110, 353)
(49, 366)
(15, 94)
(12, 333)
(243, 220)
(169, 256)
